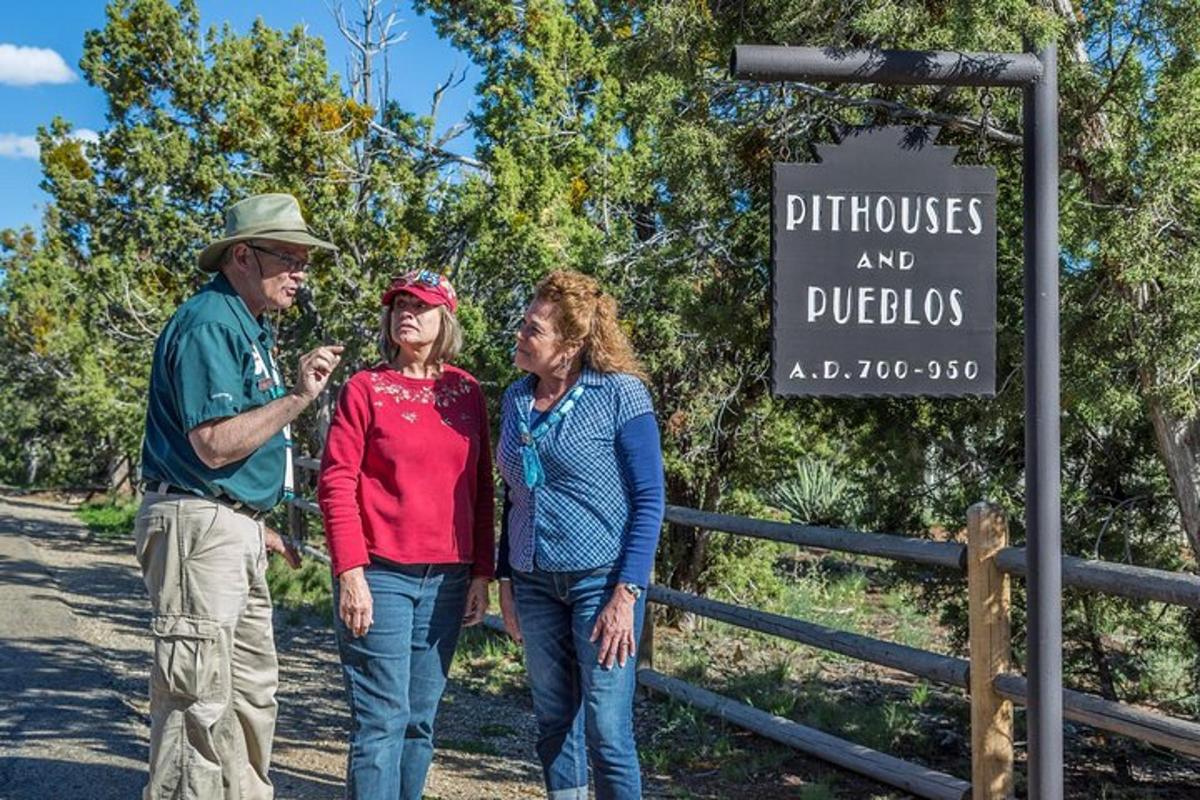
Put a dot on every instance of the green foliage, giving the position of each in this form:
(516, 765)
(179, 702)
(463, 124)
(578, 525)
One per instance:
(613, 142)
(197, 119)
(816, 494)
(684, 739)
(473, 746)
(302, 593)
(489, 662)
(109, 519)
(817, 791)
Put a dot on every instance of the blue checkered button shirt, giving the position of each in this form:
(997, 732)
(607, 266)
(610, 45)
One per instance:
(579, 518)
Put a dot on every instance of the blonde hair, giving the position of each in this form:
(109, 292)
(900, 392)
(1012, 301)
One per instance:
(446, 346)
(587, 315)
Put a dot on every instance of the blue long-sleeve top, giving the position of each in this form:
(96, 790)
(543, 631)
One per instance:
(590, 512)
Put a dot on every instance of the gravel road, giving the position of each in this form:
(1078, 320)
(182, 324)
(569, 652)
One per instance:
(74, 660)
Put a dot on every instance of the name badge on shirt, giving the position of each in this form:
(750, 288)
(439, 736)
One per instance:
(260, 366)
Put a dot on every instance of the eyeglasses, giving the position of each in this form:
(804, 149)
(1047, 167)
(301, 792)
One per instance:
(291, 262)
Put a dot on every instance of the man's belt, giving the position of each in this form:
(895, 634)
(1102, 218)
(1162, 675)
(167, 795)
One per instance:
(162, 487)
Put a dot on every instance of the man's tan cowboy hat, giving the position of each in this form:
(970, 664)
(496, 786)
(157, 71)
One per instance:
(262, 216)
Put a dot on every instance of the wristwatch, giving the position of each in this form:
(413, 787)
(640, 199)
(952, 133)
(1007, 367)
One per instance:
(633, 589)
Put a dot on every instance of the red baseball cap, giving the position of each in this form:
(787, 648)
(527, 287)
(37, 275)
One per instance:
(426, 284)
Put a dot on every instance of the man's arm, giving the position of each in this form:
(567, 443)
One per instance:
(220, 442)
(223, 441)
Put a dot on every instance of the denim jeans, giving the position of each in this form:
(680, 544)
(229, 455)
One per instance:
(582, 708)
(396, 673)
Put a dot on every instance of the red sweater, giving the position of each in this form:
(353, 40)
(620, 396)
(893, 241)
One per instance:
(407, 472)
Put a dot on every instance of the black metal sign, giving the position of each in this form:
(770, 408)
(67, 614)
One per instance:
(884, 270)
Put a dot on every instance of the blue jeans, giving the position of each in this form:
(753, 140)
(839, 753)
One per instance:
(396, 673)
(582, 708)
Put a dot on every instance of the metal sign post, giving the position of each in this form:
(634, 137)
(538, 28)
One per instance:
(1043, 515)
(1037, 75)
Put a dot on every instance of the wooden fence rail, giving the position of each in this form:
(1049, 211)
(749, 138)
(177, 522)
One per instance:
(884, 545)
(922, 663)
(1180, 735)
(988, 562)
(919, 780)
(1123, 580)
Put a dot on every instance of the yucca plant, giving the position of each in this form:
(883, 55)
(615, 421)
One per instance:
(815, 494)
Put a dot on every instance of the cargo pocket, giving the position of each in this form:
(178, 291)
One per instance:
(187, 657)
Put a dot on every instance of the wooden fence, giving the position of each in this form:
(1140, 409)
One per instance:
(992, 686)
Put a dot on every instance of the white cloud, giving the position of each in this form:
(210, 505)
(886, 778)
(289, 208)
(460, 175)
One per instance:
(15, 146)
(27, 66)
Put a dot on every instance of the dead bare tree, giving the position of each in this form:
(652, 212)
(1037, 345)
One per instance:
(370, 37)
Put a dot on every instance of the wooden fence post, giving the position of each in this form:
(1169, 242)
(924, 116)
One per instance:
(297, 526)
(989, 604)
(645, 645)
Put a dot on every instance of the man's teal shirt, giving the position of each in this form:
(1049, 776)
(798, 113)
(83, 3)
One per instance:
(211, 361)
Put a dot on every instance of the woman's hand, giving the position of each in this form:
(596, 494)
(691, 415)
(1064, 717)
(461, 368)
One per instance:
(477, 602)
(355, 606)
(508, 610)
(614, 629)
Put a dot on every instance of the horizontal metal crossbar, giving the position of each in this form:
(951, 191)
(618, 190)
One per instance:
(764, 62)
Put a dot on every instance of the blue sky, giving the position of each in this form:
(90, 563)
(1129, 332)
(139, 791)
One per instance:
(40, 47)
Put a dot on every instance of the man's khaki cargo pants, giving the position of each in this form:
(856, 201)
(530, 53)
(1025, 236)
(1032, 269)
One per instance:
(213, 681)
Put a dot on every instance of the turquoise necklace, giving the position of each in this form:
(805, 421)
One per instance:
(531, 463)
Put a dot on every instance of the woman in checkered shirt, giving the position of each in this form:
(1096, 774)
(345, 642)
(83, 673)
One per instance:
(580, 456)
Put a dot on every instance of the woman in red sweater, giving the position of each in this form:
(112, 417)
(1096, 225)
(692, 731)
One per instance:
(406, 492)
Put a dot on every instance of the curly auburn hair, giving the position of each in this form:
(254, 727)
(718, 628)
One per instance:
(585, 314)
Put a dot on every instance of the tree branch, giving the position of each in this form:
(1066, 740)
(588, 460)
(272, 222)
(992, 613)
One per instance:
(904, 111)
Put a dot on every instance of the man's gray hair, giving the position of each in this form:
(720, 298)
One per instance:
(226, 257)
(227, 254)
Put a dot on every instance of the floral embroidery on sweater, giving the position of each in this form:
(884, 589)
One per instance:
(442, 394)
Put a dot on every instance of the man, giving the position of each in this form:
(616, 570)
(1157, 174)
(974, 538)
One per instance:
(216, 457)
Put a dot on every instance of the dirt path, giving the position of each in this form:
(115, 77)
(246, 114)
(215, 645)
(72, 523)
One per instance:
(74, 660)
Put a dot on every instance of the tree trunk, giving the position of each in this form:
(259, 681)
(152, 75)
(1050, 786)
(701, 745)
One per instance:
(1108, 688)
(1177, 439)
(120, 476)
(32, 462)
